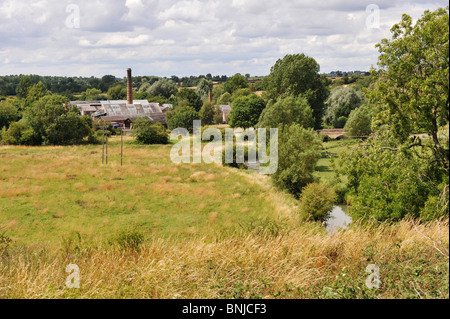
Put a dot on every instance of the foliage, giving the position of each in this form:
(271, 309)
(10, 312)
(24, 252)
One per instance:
(299, 149)
(340, 103)
(203, 88)
(317, 201)
(182, 117)
(236, 82)
(94, 95)
(389, 181)
(359, 122)
(148, 133)
(286, 111)
(188, 97)
(218, 117)
(224, 99)
(117, 93)
(164, 87)
(68, 129)
(23, 87)
(19, 133)
(412, 85)
(240, 92)
(207, 113)
(245, 111)
(299, 75)
(8, 113)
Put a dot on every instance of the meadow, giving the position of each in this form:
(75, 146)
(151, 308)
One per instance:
(153, 229)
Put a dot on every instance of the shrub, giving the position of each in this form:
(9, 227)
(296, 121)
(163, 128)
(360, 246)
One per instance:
(317, 201)
(148, 133)
(19, 133)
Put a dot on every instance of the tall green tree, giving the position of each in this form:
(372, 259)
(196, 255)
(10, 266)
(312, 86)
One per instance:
(341, 102)
(236, 82)
(299, 75)
(203, 88)
(164, 87)
(188, 97)
(23, 87)
(287, 111)
(411, 92)
(8, 113)
(298, 152)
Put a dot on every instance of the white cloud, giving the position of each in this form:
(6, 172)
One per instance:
(185, 37)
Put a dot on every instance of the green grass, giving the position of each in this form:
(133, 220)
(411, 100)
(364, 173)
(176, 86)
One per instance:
(47, 193)
(334, 149)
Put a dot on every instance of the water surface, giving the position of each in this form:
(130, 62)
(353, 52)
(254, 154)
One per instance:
(338, 219)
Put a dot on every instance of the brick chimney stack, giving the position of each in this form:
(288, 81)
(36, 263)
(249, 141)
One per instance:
(210, 97)
(129, 87)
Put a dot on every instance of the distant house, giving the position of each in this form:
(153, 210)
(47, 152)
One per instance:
(123, 112)
(118, 111)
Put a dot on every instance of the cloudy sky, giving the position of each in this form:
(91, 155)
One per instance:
(192, 37)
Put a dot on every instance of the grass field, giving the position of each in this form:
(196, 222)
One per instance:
(152, 229)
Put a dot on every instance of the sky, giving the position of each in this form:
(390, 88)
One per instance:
(193, 37)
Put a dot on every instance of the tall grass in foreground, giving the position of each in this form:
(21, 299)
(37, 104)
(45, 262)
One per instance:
(294, 262)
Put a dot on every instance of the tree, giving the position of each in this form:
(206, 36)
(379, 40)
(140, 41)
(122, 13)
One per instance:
(203, 89)
(164, 87)
(43, 113)
(8, 113)
(23, 87)
(287, 111)
(92, 95)
(224, 99)
(299, 149)
(359, 122)
(36, 92)
(188, 97)
(245, 111)
(299, 75)
(240, 92)
(117, 93)
(107, 82)
(68, 129)
(411, 92)
(182, 117)
(148, 133)
(236, 82)
(396, 174)
(207, 113)
(341, 102)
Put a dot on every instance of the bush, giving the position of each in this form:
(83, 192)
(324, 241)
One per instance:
(317, 201)
(148, 133)
(299, 150)
(19, 133)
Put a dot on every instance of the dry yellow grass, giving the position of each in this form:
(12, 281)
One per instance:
(301, 263)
